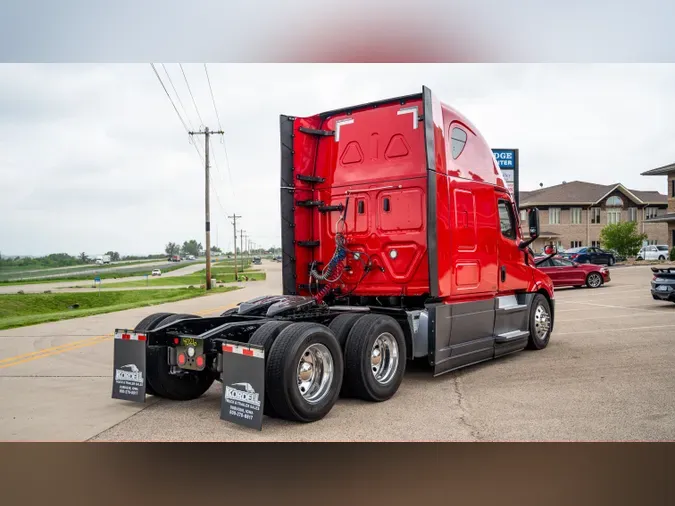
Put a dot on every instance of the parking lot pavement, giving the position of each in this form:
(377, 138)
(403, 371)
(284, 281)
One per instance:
(607, 374)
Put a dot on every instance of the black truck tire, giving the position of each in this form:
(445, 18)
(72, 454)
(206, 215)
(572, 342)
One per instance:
(375, 358)
(148, 323)
(540, 323)
(230, 311)
(265, 336)
(151, 321)
(341, 325)
(188, 386)
(287, 356)
(176, 317)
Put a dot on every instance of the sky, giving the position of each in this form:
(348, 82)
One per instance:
(94, 158)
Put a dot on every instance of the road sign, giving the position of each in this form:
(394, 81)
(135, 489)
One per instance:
(507, 159)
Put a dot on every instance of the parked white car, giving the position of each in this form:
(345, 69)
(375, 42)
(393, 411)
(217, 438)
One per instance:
(156, 272)
(658, 252)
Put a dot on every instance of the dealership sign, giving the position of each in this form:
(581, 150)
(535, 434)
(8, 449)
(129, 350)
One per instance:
(507, 159)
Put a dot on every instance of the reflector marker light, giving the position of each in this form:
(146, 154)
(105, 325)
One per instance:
(243, 350)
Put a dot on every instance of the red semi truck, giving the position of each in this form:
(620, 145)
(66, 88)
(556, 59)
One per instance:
(400, 241)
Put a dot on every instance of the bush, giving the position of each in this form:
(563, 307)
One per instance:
(672, 254)
(622, 237)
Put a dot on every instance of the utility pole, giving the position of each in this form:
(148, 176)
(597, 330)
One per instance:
(234, 217)
(241, 248)
(207, 204)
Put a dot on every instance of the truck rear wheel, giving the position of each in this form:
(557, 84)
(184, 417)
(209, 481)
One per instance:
(265, 336)
(375, 355)
(304, 372)
(184, 387)
(540, 323)
(148, 323)
(341, 326)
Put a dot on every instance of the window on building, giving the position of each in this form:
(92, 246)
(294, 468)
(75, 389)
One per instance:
(575, 216)
(672, 189)
(651, 212)
(632, 214)
(458, 137)
(507, 219)
(613, 216)
(595, 215)
(595, 244)
(614, 202)
(523, 215)
(576, 244)
(554, 216)
(651, 242)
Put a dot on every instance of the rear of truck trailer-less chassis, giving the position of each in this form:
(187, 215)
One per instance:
(292, 356)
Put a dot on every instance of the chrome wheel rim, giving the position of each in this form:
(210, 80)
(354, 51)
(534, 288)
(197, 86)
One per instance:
(594, 280)
(384, 358)
(315, 373)
(542, 321)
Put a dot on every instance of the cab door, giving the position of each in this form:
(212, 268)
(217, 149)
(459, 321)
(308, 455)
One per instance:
(514, 275)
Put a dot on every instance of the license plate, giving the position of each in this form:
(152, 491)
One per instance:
(662, 288)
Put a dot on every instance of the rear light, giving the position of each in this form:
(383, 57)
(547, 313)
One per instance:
(181, 359)
(200, 361)
(176, 340)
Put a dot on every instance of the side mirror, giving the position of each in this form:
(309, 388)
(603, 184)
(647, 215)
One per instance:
(533, 222)
(533, 225)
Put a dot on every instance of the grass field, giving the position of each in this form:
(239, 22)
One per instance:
(222, 275)
(31, 309)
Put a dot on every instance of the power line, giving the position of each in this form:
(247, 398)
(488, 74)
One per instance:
(191, 95)
(227, 160)
(187, 116)
(170, 99)
(176, 109)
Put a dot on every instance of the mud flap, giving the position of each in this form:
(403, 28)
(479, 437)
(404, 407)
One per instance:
(129, 366)
(243, 375)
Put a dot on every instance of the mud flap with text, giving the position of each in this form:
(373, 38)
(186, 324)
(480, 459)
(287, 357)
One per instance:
(243, 375)
(129, 369)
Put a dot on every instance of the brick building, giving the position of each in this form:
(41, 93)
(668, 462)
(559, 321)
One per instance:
(668, 218)
(573, 214)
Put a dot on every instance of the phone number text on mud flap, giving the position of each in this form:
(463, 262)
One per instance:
(241, 413)
(124, 389)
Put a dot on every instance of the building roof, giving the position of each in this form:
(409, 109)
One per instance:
(581, 192)
(660, 171)
(668, 218)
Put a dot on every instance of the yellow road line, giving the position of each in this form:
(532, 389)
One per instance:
(52, 348)
(62, 348)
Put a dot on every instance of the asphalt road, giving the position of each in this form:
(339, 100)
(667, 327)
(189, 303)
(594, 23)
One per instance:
(65, 285)
(607, 374)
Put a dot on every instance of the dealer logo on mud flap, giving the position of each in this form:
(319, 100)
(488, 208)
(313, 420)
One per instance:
(129, 374)
(243, 392)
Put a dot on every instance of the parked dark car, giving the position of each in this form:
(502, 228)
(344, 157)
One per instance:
(663, 283)
(565, 272)
(591, 255)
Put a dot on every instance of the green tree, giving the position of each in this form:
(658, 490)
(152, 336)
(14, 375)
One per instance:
(215, 249)
(84, 258)
(191, 247)
(171, 248)
(622, 237)
(114, 256)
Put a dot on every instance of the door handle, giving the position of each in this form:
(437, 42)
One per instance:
(503, 273)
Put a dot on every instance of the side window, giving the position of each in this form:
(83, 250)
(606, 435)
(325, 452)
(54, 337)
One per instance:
(458, 141)
(506, 220)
